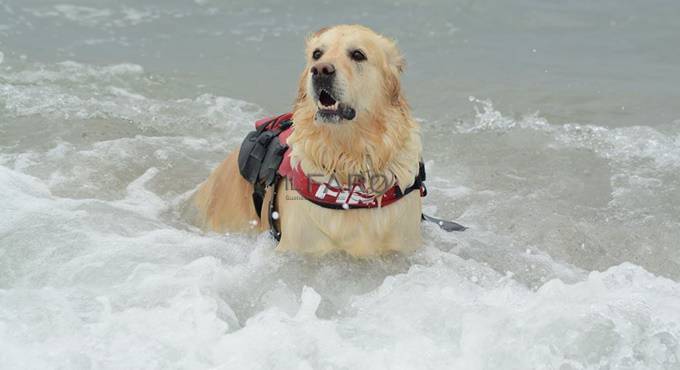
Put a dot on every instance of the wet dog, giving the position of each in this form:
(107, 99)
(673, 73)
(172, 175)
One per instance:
(350, 119)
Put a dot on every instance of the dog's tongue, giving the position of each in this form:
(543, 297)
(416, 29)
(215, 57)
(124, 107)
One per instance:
(346, 112)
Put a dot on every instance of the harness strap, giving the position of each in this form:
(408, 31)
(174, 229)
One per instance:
(417, 185)
(259, 191)
(444, 224)
(273, 229)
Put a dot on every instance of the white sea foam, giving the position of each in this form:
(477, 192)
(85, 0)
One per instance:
(70, 90)
(138, 292)
(123, 16)
(82, 14)
(617, 144)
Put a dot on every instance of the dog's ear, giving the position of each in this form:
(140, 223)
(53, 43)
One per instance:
(393, 88)
(320, 31)
(316, 34)
(395, 66)
(396, 60)
(394, 57)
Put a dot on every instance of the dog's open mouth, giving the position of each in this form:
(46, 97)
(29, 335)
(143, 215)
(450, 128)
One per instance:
(331, 110)
(326, 101)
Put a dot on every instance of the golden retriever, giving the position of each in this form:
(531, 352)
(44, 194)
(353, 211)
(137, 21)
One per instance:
(350, 117)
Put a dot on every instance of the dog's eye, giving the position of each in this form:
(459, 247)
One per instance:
(358, 55)
(317, 54)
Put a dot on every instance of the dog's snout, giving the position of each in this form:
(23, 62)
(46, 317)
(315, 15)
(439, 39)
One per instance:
(323, 69)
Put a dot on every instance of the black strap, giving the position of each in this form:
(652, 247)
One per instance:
(419, 182)
(265, 125)
(273, 229)
(444, 224)
(259, 191)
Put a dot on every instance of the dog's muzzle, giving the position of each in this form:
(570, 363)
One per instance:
(330, 109)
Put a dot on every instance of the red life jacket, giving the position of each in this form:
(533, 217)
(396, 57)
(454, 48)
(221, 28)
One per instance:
(264, 160)
(331, 194)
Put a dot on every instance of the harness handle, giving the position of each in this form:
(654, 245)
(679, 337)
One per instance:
(445, 225)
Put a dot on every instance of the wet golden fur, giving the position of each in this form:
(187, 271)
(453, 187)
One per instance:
(383, 139)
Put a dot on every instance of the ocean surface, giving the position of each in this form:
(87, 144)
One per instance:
(551, 129)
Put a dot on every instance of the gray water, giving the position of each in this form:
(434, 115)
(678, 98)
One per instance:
(551, 129)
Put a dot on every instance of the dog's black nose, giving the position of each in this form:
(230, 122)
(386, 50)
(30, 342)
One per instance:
(323, 69)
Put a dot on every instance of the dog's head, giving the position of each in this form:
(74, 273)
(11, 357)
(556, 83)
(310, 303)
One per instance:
(351, 72)
(350, 116)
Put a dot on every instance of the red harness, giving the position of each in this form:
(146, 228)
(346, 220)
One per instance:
(264, 160)
(331, 194)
